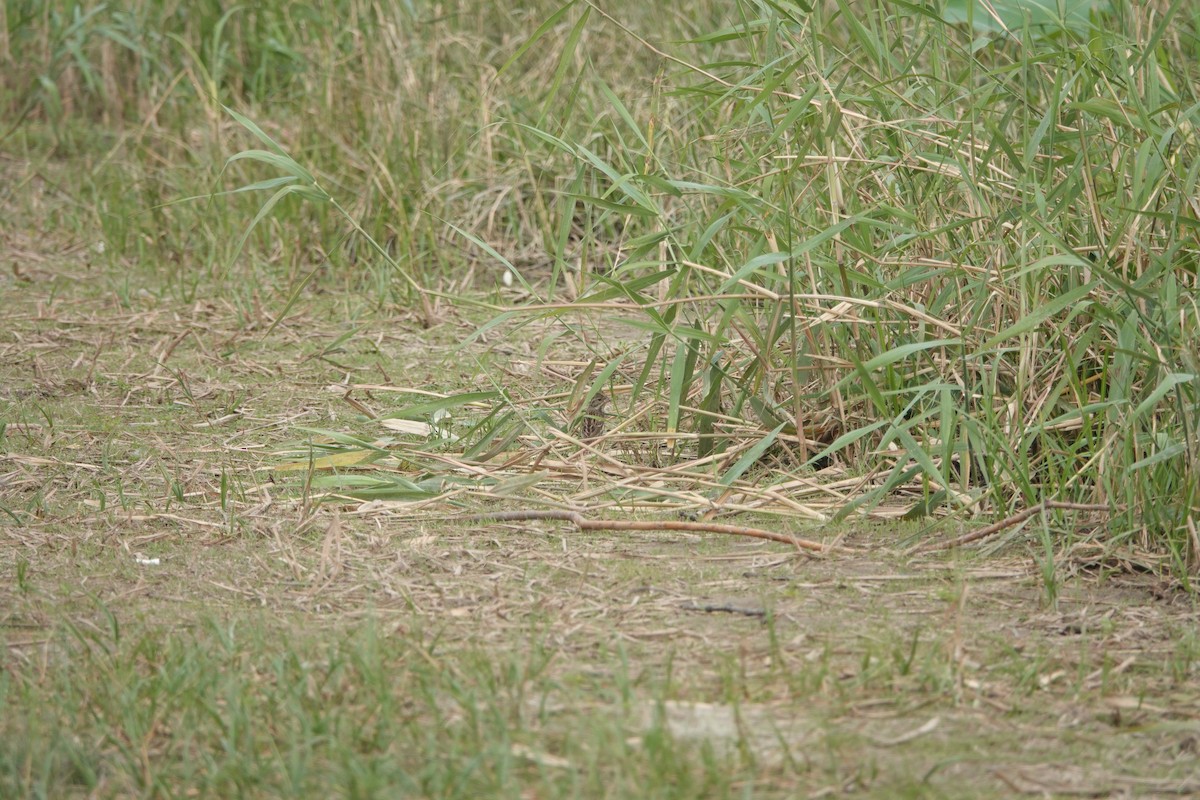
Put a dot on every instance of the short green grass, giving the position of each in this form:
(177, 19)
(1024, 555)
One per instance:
(839, 262)
(455, 666)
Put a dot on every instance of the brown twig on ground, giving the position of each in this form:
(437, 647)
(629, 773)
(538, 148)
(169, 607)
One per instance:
(1007, 522)
(583, 523)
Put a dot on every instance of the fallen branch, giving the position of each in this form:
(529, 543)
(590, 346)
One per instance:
(583, 523)
(1007, 522)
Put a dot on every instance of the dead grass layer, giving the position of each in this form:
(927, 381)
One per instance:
(866, 671)
(136, 487)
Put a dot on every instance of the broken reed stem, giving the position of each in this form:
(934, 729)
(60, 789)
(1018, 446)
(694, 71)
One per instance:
(1007, 522)
(583, 523)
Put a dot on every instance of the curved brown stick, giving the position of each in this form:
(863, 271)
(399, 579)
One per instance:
(583, 523)
(1007, 522)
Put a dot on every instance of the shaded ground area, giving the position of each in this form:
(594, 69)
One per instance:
(177, 618)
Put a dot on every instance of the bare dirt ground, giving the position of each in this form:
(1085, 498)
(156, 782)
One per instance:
(135, 483)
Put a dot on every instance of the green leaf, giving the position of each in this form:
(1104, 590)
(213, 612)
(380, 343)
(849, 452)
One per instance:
(755, 264)
(918, 454)
(615, 207)
(1166, 454)
(898, 354)
(1168, 384)
(1041, 314)
(565, 59)
(623, 112)
(682, 369)
(343, 438)
(249, 125)
(294, 188)
(550, 23)
(283, 162)
(846, 439)
(1048, 16)
(750, 457)
(424, 409)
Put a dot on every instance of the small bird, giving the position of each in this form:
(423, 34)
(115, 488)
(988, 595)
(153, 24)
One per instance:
(592, 423)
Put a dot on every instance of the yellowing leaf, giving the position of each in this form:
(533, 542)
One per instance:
(353, 458)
